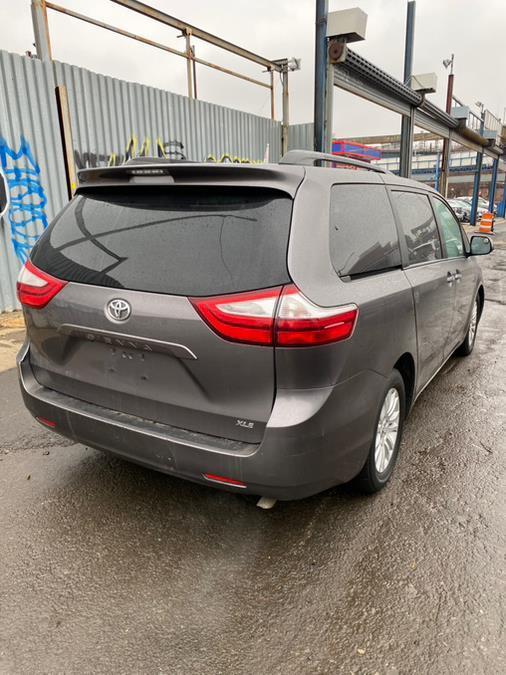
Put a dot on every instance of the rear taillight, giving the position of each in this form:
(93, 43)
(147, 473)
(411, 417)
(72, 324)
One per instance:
(277, 316)
(36, 288)
(300, 323)
(241, 317)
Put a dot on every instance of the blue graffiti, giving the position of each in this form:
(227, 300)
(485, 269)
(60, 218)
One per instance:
(27, 199)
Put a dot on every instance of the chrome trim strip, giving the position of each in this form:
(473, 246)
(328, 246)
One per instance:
(137, 342)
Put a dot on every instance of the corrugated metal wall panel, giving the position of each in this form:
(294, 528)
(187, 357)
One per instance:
(111, 119)
(31, 157)
(108, 116)
(300, 136)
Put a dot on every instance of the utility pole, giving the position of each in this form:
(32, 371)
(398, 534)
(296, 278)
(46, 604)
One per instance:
(320, 75)
(407, 124)
(445, 163)
(41, 30)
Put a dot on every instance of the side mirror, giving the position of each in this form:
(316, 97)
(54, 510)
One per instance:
(481, 245)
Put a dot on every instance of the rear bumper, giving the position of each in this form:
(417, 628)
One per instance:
(315, 438)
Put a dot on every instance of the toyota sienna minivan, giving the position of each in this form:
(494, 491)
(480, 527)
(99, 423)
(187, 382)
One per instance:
(264, 329)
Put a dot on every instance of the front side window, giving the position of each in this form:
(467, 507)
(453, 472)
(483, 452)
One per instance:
(363, 236)
(418, 225)
(450, 230)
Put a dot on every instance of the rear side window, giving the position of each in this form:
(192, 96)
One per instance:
(177, 240)
(363, 236)
(419, 226)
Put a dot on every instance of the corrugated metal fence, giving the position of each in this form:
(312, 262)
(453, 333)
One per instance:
(111, 120)
(31, 161)
(300, 136)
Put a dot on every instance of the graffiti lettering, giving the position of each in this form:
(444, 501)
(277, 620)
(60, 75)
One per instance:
(27, 200)
(4, 194)
(229, 159)
(172, 149)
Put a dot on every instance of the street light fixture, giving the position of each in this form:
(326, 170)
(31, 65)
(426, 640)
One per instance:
(448, 63)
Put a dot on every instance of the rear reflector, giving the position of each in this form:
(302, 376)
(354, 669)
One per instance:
(224, 481)
(36, 288)
(46, 423)
(277, 316)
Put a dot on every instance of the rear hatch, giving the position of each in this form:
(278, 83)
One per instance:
(124, 332)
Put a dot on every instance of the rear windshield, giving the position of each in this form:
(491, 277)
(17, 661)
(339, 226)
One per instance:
(177, 240)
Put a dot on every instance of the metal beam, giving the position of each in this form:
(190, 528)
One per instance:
(41, 30)
(434, 127)
(349, 81)
(390, 138)
(151, 43)
(320, 75)
(168, 20)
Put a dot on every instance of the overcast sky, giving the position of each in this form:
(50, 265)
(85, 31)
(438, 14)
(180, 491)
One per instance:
(474, 31)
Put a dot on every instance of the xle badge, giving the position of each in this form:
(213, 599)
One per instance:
(245, 424)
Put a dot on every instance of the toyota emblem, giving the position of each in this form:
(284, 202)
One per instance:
(118, 310)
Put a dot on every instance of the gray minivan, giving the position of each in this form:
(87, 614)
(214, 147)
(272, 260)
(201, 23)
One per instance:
(263, 329)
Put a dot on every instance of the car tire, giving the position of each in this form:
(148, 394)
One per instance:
(468, 345)
(379, 467)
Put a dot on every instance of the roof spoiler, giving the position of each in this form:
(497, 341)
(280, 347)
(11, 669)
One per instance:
(181, 172)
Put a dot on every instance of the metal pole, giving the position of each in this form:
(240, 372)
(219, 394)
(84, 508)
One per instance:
(320, 75)
(477, 178)
(189, 68)
(408, 47)
(273, 112)
(436, 178)
(493, 185)
(329, 110)
(407, 124)
(285, 121)
(41, 30)
(501, 208)
(445, 164)
(194, 67)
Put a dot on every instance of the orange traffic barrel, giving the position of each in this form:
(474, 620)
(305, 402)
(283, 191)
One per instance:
(487, 223)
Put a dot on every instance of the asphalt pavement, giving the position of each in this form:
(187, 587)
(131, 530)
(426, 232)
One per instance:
(106, 567)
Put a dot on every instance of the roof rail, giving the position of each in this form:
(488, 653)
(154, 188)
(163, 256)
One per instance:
(309, 158)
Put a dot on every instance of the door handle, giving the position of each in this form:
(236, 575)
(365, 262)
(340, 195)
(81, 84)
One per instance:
(450, 278)
(457, 275)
